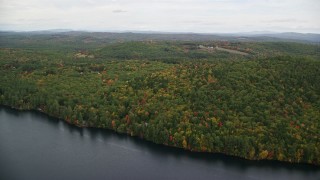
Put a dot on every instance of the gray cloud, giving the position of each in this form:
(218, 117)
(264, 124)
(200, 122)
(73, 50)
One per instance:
(119, 11)
(285, 21)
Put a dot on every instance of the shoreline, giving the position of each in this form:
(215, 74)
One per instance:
(127, 134)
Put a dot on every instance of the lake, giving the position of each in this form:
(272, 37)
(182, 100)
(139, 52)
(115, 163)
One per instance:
(35, 146)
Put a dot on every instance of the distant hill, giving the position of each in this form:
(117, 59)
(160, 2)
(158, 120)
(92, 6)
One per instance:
(290, 36)
(167, 36)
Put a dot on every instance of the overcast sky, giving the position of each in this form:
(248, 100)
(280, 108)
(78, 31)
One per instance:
(203, 16)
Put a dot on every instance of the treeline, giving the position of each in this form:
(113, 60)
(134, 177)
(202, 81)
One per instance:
(266, 108)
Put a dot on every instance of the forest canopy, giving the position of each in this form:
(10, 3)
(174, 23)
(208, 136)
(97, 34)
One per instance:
(186, 94)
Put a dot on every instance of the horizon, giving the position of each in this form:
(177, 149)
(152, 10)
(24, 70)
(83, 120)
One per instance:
(175, 16)
(157, 32)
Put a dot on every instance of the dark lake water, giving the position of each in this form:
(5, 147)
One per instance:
(34, 146)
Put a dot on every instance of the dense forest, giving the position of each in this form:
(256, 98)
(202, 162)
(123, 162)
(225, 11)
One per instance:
(186, 94)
